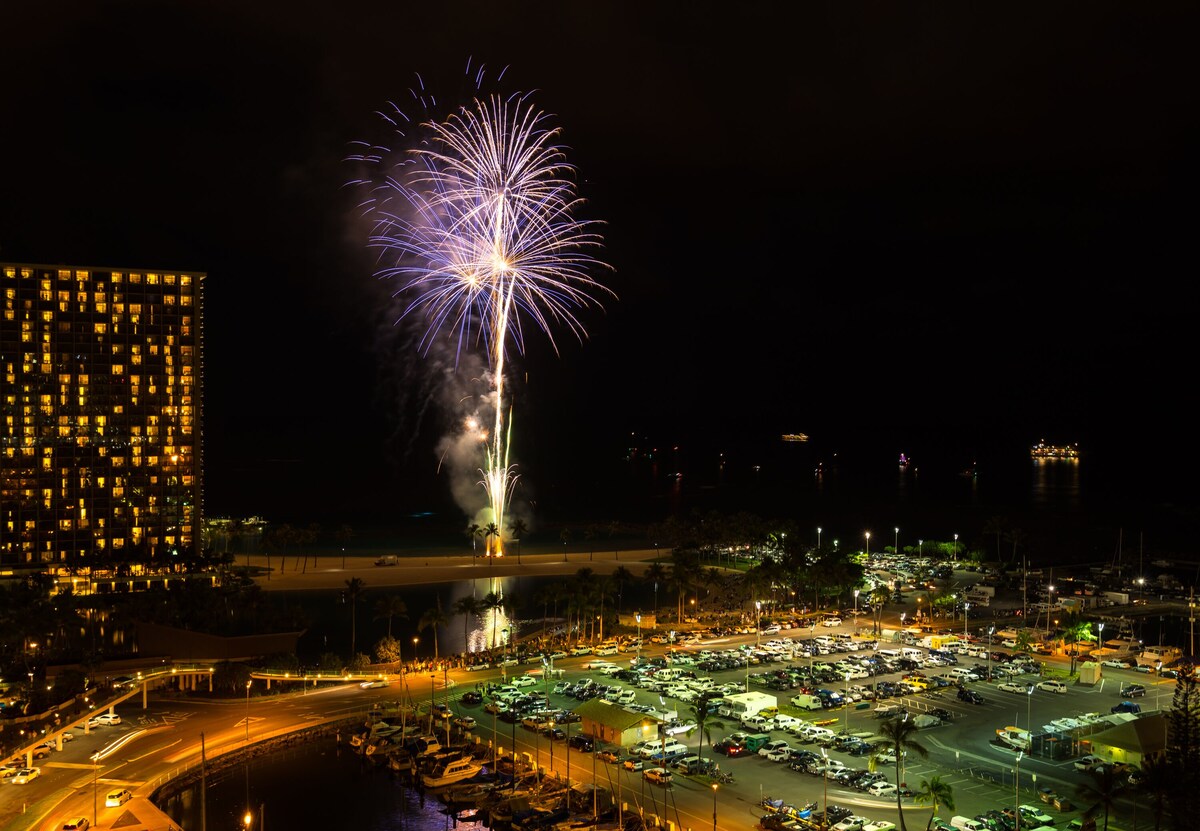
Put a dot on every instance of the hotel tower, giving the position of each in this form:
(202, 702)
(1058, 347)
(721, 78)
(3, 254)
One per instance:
(101, 450)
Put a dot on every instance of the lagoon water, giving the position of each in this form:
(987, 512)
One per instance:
(316, 786)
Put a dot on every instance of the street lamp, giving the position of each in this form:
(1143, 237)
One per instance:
(856, 591)
(552, 747)
(966, 606)
(1017, 792)
(868, 551)
(846, 706)
(247, 712)
(818, 537)
(954, 555)
(921, 548)
(896, 542)
(714, 787)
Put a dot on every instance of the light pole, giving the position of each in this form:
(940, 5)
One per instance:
(856, 591)
(552, 747)
(921, 548)
(991, 630)
(714, 787)
(818, 537)
(1028, 701)
(896, 542)
(1017, 793)
(966, 606)
(825, 798)
(868, 551)
(638, 617)
(846, 706)
(954, 556)
(247, 712)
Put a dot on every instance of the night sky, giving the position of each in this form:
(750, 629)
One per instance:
(932, 227)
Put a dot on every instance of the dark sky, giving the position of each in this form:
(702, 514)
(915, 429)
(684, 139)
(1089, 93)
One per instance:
(895, 224)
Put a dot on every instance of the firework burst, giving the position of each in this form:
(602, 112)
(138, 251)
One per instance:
(477, 224)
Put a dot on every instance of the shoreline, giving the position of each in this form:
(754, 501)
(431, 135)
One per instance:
(416, 569)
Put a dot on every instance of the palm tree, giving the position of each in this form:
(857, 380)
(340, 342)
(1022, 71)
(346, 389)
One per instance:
(344, 534)
(390, 607)
(996, 525)
(473, 532)
(1158, 779)
(564, 537)
(655, 573)
(306, 538)
(354, 587)
(589, 534)
(518, 529)
(878, 597)
(433, 619)
(704, 724)
(1103, 794)
(603, 587)
(936, 791)
(491, 604)
(490, 530)
(621, 577)
(470, 608)
(897, 734)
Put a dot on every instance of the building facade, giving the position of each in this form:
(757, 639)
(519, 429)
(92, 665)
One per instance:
(101, 414)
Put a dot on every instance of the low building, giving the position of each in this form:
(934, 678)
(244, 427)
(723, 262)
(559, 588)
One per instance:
(614, 724)
(1132, 741)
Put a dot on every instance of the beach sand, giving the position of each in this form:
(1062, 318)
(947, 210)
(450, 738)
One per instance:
(415, 570)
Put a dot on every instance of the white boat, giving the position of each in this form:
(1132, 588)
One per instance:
(453, 771)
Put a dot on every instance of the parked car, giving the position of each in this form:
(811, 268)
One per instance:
(1127, 707)
(1088, 762)
(1052, 686)
(1132, 691)
(657, 776)
(609, 756)
(970, 696)
(77, 824)
(108, 719)
(851, 823)
(1114, 663)
(1012, 686)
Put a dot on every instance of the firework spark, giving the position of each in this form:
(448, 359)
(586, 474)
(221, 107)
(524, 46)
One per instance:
(477, 223)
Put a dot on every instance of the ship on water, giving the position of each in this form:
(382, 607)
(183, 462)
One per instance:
(1041, 450)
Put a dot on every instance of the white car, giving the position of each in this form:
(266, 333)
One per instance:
(26, 775)
(465, 722)
(1052, 686)
(581, 650)
(779, 755)
(1012, 687)
(832, 621)
(677, 727)
(115, 799)
(882, 789)
(523, 681)
(851, 823)
(769, 747)
(1114, 663)
(373, 684)
(108, 719)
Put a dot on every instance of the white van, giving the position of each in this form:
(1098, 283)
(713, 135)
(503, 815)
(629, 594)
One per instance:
(910, 652)
(650, 748)
(888, 653)
(966, 824)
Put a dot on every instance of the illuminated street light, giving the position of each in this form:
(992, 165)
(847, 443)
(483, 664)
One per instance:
(868, 551)
(856, 591)
(818, 537)
(896, 543)
(714, 787)
(954, 556)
